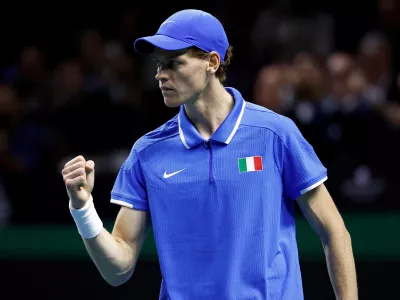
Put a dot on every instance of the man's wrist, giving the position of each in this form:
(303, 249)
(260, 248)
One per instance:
(86, 219)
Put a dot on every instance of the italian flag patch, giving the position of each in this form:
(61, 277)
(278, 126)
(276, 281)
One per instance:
(249, 164)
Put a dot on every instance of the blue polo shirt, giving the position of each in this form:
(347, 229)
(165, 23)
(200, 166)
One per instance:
(222, 210)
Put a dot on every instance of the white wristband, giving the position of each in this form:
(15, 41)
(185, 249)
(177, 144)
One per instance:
(87, 220)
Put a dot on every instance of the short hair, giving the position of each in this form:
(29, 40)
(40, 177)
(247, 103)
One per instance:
(222, 70)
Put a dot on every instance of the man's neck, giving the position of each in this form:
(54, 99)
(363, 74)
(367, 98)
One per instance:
(209, 111)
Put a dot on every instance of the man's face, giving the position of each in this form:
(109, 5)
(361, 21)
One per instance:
(182, 78)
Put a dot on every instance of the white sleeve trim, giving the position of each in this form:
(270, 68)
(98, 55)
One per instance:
(123, 203)
(313, 186)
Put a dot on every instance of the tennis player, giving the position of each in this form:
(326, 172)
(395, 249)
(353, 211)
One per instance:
(218, 182)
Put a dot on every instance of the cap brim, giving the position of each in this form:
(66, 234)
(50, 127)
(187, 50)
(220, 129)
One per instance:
(146, 45)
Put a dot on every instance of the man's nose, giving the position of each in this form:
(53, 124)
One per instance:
(162, 76)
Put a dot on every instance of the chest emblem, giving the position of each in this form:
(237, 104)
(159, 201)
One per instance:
(250, 164)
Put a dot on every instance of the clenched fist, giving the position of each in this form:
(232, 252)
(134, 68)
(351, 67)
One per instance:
(78, 175)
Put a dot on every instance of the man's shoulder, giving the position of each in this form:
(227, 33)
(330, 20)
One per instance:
(167, 130)
(261, 117)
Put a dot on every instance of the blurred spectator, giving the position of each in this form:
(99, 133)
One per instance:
(128, 28)
(294, 89)
(269, 86)
(346, 84)
(92, 59)
(68, 84)
(29, 76)
(376, 63)
(28, 151)
(120, 75)
(278, 33)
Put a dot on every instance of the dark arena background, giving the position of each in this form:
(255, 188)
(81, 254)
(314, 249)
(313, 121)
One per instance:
(70, 84)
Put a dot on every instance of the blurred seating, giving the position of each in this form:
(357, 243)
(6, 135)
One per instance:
(92, 95)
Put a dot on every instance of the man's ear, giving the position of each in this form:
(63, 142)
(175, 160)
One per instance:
(214, 62)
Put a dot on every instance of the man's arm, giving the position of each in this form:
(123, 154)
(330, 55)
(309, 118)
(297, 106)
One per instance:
(323, 216)
(115, 255)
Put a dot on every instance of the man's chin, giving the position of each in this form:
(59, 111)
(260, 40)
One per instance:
(171, 102)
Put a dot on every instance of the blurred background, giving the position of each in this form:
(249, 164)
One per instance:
(70, 84)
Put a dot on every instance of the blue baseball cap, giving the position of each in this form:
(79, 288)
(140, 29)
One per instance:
(184, 29)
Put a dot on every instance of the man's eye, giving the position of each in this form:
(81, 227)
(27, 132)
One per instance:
(172, 64)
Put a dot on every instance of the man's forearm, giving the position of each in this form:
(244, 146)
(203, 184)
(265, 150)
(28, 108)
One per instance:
(112, 257)
(341, 266)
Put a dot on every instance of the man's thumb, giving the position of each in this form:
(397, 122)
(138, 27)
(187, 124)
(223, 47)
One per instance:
(90, 174)
(89, 166)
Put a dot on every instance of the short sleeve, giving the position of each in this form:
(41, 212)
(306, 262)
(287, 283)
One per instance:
(129, 187)
(302, 170)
